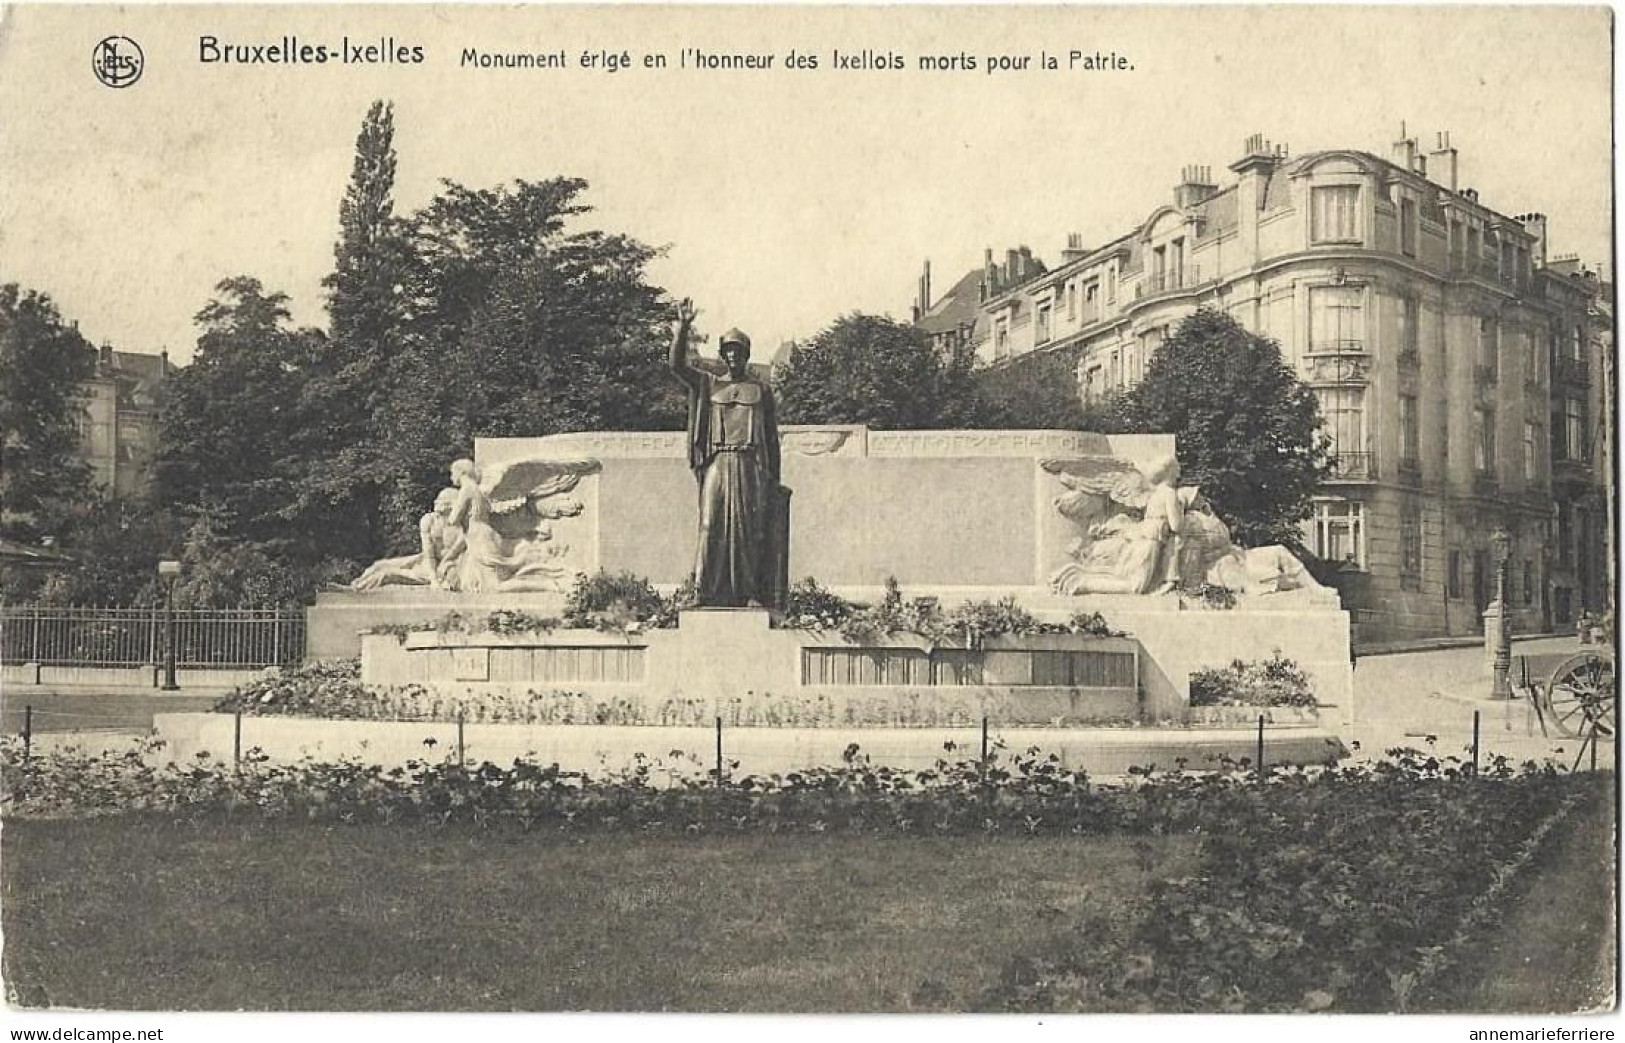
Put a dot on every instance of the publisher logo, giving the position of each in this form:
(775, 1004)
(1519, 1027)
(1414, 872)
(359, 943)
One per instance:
(117, 61)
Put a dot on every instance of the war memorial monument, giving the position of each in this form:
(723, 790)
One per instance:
(1058, 522)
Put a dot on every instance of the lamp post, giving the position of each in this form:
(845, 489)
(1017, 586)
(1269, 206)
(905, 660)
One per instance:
(168, 572)
(1501, 543)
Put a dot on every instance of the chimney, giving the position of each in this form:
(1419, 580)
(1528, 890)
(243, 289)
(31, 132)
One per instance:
(1535, 225)
(990, 274)
(1444, 161)
(1074, 248)
(1195, 185)
(1012, 264)
(1470, 194)
(1258, 161)
(1028, 269)
(163, 362)
(1404, 151)
(105, 354)
(922, 293)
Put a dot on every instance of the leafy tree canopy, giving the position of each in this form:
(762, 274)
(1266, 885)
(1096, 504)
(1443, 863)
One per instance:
(43, 363)
(869, 369)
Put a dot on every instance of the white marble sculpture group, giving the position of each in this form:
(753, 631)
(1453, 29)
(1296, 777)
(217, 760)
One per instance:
(1141, 533)
(490, 533)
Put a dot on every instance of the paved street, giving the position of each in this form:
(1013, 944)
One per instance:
(1400, 699)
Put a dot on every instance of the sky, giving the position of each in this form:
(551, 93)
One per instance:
(784, 198)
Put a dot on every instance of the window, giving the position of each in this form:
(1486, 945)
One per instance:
(1565, 535)
(1150, 344)
(1072, 302)
(1410, 541)
(1410, 317)
(1444, 434)
(1091, 383)
(1532, 354)
(1489, 348)
(1342, 417)
(1334, 213)
(1041, 334)
(1111, 284)
(1528, 582)
(1336, 318)
(1001, 338)
(1176, 263)
(1407, 227)
(1576, 336)
(1531, 461)
(1091, 302)
(1409, 430)
(1131, 364)
(1574, 429)
(1338, 532)
(1453, 576)
(1475, 252)
(1484, 441)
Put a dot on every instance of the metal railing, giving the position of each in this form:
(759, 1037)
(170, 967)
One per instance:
(1354, 465)
(126, 637)
(1172, 279)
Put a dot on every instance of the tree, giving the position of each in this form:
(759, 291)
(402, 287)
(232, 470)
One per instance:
(520, 329)
(1040, 391)
(869, 369)
(239, 432)
(43, 362)
(348, 384)
(1247, 429)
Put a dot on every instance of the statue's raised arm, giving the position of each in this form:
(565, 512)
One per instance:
(677, 359)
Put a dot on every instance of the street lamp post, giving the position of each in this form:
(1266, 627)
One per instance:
(1501, 542)
(168, 573)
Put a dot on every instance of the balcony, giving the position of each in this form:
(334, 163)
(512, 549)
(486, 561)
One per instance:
(1353, 467)
(1572, 371)
(1342, 346)
(1153, 283)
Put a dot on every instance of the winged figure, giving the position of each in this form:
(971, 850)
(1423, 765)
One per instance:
(1129, 524)
(528, 485)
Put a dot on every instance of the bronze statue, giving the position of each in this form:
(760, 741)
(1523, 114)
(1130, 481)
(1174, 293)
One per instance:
(733, 448)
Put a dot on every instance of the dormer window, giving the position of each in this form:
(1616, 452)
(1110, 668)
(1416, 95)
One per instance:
(1335, 214)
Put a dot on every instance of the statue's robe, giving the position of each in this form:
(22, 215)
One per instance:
(733, 447)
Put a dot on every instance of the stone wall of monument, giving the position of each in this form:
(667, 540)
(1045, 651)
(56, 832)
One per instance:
(945, 512)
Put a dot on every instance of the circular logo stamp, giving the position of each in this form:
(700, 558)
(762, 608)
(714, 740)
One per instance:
(117, 61)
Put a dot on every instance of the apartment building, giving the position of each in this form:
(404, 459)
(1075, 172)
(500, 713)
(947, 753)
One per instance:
(1457, 368)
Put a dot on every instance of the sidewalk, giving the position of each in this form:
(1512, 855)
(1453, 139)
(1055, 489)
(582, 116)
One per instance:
(1401, 699)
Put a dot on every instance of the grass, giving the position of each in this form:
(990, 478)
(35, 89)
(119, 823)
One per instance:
(1556, 949)
(151, 913)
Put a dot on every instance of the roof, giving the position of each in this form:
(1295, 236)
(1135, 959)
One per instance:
(139, 376)
(958, 307)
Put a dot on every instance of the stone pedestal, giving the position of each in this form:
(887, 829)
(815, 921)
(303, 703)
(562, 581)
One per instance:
(734, 651)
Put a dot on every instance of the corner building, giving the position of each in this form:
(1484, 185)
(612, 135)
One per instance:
(1455, 367)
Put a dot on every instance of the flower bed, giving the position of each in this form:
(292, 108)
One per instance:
(1334, 889)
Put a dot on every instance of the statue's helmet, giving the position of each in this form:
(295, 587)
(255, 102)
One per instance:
(735, 336)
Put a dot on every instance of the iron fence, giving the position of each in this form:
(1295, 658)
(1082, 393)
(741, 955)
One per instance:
(127, 637)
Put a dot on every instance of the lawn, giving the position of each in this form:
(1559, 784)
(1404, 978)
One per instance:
(145, 912)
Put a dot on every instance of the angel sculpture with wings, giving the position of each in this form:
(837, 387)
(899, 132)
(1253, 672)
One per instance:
(503, 521)
(1131, 520)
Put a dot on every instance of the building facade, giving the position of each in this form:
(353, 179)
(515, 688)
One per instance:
(1458, 371)
(118, 419)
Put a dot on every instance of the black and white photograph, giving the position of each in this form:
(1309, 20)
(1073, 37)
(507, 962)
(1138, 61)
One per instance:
(1043, 511)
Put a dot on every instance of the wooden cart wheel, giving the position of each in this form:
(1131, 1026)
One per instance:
(1580, 698)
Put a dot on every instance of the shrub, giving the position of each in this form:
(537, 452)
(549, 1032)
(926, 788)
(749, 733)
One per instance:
(1276, 681)
(323, 688)
(811, 607)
